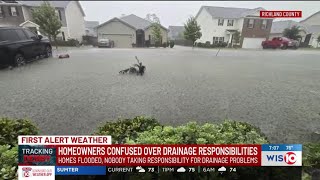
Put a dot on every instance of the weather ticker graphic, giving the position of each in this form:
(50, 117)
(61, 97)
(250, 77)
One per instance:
(50, 156)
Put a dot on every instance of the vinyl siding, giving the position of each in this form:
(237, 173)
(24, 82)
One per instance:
(75, 21)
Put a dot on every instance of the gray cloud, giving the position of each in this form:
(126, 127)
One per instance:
(177, 12)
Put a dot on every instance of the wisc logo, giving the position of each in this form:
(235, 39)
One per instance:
(289, 158)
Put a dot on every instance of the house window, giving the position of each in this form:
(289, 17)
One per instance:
(264, 24)
(63, 36)
(13, 11)
(230, 22)
(250, 23)
(220, 22)
(58, 13)
(1, 12)
(217, 40)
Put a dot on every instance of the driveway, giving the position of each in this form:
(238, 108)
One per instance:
(276, 90)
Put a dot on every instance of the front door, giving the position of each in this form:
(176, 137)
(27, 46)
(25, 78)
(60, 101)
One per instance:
(307, 40)
(140, 38)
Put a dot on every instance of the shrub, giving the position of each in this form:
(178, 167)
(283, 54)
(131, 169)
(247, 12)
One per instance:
(8, 162)
(157, 44)
(311, 158)
(168, 44)
(207, 44)
(213, 45)
(171, 44)
(12, 128)
(226, 133)
(164, 45)
(127, 128)
(199, 44)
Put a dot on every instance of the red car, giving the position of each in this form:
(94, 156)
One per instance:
(280, 42)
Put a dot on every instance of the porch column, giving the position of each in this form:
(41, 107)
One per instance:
(38, 31)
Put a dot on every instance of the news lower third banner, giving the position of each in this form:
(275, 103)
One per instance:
(47, 156)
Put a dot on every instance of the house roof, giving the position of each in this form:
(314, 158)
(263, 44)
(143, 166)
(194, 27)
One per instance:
(279, 26)
(91, 24)
(116, 19)
(314, 29)
(228, 12)
(310, 17)
(136, 21)
(175, 30)
(56, 4)
(133, 21)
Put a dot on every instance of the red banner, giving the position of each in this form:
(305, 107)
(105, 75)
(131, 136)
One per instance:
(158, 155)
(280, 14)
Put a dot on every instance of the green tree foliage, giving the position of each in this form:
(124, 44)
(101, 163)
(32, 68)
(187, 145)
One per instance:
(45, 16)
(156, 28)
(292, 33)
(318, 40)
(192, 30)
(12, 128)
(9, 132)
(8, 162)
(229, 132)
(126, 128)
(311, 159)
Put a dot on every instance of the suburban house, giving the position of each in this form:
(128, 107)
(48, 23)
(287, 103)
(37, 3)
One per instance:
(129, 30)
(313, 24)
(279, 26)
(90, 28)
(218, 24)
(70, 13)
(176, 32)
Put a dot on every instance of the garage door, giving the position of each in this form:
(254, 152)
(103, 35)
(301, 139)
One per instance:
(252, 43)
(120, 41)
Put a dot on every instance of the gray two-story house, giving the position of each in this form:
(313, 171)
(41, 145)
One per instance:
(70, 13)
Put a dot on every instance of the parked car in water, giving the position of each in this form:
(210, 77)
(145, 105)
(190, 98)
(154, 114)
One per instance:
(105, 43)
(280, 42)
(19, 45)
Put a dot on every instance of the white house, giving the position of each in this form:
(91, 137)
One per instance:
(218, 24)
(129, 30)
(313, 24)
(70, 13)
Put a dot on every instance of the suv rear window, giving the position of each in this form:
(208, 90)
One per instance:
(8, 35)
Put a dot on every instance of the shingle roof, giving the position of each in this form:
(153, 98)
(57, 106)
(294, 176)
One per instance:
(91, 24)
(228, 12)
(279, 26)
(175, 31)
(60, 4)
(310, 17)
(57, 4)
(133, 21)
(136, 21)
(314, 29)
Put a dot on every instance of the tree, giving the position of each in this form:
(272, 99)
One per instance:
(318, 40)
(292, 33)
(236, 38)
(156, 28)
(45, 16)
(192, 30)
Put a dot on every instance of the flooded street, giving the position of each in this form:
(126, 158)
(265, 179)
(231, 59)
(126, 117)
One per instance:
(278, 91)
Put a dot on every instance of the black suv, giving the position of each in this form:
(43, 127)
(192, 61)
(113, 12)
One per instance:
(18, 45)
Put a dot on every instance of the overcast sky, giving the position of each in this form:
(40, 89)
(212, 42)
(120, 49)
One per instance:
(177, 12)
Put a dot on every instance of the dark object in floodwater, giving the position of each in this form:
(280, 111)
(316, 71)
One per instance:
(61, 56)
(138, 69)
